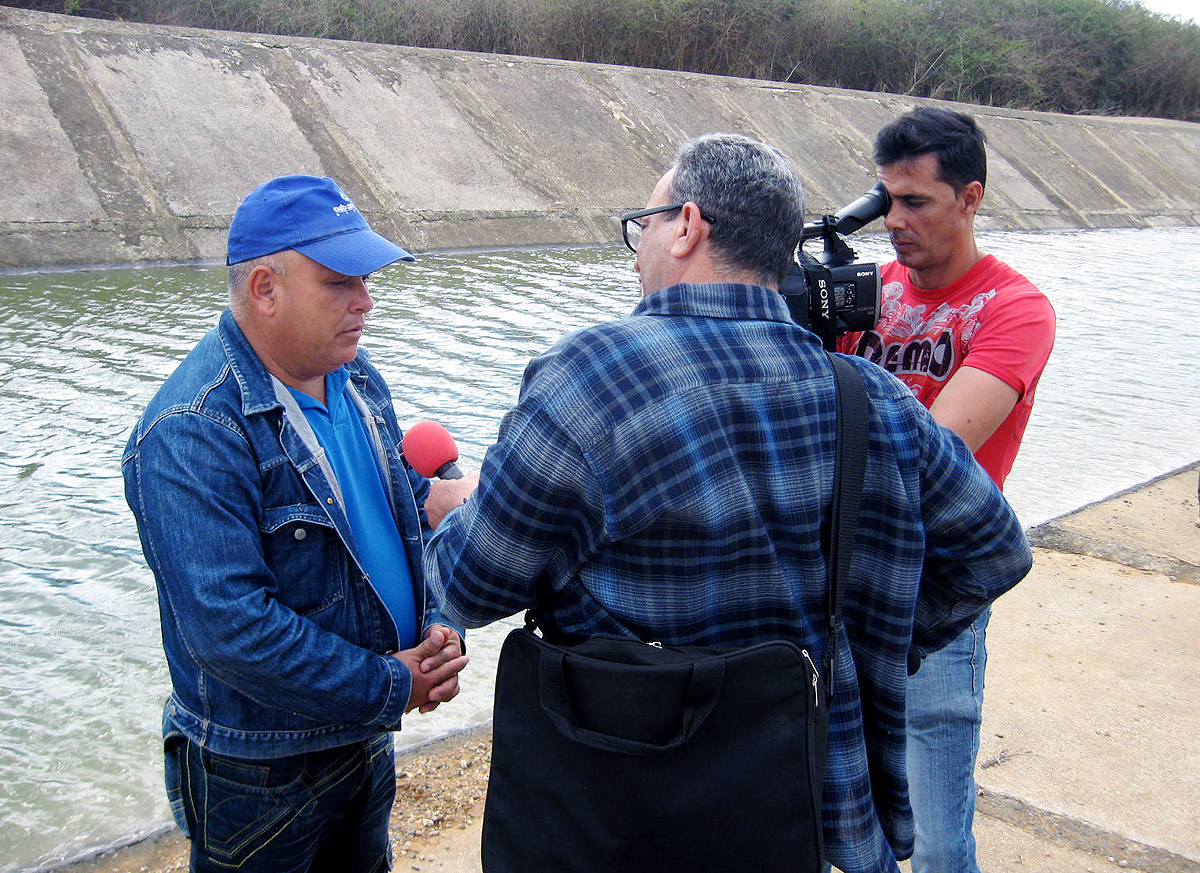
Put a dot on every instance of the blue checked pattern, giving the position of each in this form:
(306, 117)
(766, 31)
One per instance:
(669, 476)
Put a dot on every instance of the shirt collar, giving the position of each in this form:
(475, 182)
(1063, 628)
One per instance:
(258, 394)
(716, 300)
(335, 385)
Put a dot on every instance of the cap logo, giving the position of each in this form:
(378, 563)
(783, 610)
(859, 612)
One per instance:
(343, 208)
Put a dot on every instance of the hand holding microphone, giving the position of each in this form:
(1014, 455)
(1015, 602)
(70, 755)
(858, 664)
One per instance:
(430, 450)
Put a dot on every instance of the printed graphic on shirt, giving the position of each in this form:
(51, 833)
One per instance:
(910, 341)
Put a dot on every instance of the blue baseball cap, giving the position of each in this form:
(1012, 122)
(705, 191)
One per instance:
(312, 215)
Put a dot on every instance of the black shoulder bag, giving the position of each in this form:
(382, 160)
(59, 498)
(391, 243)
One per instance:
(617, 755)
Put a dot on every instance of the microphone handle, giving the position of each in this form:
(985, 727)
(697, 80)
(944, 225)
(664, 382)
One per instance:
(449, 470)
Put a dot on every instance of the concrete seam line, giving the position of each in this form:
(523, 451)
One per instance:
(1057, 539)
(1080, 835)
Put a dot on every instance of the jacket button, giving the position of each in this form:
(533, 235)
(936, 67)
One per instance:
(329, 500)
(301, 533)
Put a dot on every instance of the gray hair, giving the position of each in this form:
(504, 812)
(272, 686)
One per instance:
(753, 195)
(239, 276)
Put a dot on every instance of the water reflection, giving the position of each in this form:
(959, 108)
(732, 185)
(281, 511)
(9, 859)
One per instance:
(81, 674)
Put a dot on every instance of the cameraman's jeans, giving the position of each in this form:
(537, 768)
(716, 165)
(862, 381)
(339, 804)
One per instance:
(945, 708)
(324, 812)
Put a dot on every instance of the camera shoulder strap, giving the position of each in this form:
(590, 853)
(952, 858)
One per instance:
(849, 470)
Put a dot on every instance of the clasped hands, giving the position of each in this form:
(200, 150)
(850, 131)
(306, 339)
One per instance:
(435, 665)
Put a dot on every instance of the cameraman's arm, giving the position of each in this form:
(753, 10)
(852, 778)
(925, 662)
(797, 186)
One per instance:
(973, 404)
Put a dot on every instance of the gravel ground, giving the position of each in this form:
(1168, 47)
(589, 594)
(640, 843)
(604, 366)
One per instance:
(439, 801)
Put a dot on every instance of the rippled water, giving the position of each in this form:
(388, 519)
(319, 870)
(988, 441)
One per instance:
(82, 678)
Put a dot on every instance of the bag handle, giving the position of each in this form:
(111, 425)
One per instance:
(704, 690)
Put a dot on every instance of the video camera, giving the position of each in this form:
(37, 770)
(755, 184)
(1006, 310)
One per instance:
(831, 294)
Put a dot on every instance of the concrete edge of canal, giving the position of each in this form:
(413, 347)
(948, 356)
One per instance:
(127, 143)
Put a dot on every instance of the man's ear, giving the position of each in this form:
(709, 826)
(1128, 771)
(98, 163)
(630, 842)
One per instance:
(261, 288)
(692, 231)
(970, 197)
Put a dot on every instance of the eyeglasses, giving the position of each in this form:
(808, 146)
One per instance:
(631, 228)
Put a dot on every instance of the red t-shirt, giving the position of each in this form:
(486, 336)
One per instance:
(992, 318)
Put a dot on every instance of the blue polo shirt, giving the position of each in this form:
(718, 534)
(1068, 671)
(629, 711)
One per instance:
(340, 430)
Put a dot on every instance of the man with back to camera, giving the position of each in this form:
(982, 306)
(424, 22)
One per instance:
(667, 476)
(970, 336)
(285, 534)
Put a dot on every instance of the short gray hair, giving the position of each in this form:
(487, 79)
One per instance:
(239, 276)
(752, 193)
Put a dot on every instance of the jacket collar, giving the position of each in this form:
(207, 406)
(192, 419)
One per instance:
(253, 378)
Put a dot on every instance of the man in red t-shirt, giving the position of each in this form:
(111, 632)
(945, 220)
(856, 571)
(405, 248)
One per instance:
(970, 336)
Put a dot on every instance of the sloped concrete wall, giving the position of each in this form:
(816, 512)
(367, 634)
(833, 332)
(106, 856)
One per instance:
(124, 143)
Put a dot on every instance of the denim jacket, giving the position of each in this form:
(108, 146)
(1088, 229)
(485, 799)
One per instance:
(276, 642)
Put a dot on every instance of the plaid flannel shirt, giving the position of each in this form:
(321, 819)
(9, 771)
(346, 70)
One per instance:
(669, 476)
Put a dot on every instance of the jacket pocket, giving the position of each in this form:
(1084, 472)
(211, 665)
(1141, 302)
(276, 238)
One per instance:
(306, 556)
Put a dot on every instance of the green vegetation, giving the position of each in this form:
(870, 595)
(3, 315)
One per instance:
(1076, 56)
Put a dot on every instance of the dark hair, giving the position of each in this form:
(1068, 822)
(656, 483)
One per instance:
(752, 193)
(953, 136)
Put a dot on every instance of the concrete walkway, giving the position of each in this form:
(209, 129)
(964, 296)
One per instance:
(1090, 753)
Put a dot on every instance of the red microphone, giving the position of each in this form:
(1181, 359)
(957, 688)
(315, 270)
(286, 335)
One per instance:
(431, 451)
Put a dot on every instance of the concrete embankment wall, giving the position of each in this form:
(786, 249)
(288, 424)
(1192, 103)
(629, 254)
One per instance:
(124, 143)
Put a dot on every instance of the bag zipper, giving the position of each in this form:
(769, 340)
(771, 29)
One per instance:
(816, 674)
(816, 678)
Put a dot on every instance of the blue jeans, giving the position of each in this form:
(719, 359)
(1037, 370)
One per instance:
(945, 709)
(319, 812)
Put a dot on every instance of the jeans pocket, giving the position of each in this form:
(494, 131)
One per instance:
(247, 806)
(173, 745)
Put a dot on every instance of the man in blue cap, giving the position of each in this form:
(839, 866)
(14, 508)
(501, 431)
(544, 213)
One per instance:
(285, 534)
